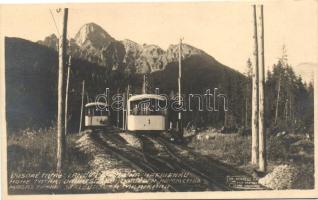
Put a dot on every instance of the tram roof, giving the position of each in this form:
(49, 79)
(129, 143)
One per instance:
(96, 104)
(146, 96)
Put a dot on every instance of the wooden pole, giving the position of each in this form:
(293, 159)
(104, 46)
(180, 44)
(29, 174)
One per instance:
(117, 123)
(123, 121)
(127, 111)
(180, 127)
(246, 111)
(316, 112)
(60, 101)
(82, 106)
(254, 155)
(277, 99)
(225, 124)
(66, 93)
(144, 84)
(261, 124)
(147, 84)
(290, 108)
(249, 74)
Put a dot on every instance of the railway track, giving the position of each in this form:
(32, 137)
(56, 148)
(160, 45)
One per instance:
(212, 171)
(184, 163)
(169, 158)
(131, 156)
(151, 154)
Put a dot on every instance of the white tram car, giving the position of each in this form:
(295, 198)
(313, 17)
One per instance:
(96, 115)
(144, 116)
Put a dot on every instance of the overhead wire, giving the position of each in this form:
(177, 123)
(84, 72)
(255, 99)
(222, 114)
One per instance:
(57, 29)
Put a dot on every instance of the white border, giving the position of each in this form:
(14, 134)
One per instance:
(159, 195)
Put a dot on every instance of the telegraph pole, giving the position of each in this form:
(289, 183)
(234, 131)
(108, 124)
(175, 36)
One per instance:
(277, 99)
(249, 74)
(126, 102)
(316, 110)
(262, 137)
(60, 101)
(180, 127)
(82, 106)
(124, 120)
(117, 117)
(66, 92)
(144, 89)
(255, 95)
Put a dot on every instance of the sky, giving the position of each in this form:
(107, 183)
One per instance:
(223, 30)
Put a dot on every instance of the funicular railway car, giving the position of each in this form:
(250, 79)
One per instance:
(96, 115)
(144, 115)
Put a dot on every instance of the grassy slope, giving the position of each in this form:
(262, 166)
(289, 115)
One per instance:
(235, 150)
(35, 151)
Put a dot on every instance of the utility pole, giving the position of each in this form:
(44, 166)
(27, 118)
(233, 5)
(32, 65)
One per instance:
(249, 75)
(82, 106)
(66, 92)
(180, 127)
(126, 102)
(316, 109)
(277, 99)
(117, 120)
(255, 94)
(261, 124)
(246, 111)
(60, 101)
(124, 120)
(226, 116)
(286, 110)
(144, 85)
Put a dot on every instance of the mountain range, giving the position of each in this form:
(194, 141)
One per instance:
(104, 62)
(94, 44)
(101, 61)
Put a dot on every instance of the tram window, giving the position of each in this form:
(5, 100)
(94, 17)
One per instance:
(95, 111)
(135, 110)
(146, 107)
(102, 113)
(99, 112)
(90, 111)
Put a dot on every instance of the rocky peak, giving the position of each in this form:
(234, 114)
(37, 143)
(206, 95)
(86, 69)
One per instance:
(92, 35)
(187, 51)
(94, 44)
(152, 58)
(131, 45)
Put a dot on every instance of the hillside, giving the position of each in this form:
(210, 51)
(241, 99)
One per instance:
(31, 71)
(31, 83)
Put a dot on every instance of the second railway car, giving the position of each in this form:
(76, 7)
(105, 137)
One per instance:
(96, 115)
(144, 114)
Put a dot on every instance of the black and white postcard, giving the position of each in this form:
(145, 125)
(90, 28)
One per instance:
(159, 100)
